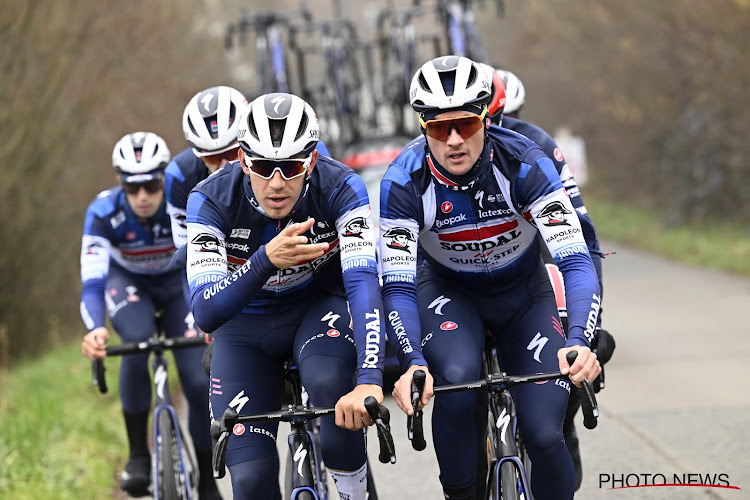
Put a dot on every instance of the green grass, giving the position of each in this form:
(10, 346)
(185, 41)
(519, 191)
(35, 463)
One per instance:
(704, 244)
(59, 437)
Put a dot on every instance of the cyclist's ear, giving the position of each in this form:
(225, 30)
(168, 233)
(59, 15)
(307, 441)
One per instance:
(313, 161)
(241, 158)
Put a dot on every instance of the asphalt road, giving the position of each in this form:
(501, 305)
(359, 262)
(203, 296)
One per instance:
(676, 402)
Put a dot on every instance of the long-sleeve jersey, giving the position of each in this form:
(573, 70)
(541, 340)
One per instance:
(183, 173)
(550, 148)
(229, 272)
(481, 238)
(112, 232)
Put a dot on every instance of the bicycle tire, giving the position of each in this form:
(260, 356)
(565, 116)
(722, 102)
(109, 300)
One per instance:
(509, 481)
(171, 484)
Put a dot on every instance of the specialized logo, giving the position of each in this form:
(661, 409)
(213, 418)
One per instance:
(555, 214)
(448, 325)
(160, 378)
(355, 227)
(206, 101)
(331, 318)
(502, 423)
(400, 238)
(239, 401)
(277, 101)
(208, 242)
(300, 457)
(438, 304)
(536, 345)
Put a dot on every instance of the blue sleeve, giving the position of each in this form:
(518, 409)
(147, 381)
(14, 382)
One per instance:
(174, 186)
(217, 296)
(399, 214)
(94, 270)
(350, 206)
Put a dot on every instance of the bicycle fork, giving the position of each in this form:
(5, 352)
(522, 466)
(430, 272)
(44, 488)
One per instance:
(300, 445)
(507, 453)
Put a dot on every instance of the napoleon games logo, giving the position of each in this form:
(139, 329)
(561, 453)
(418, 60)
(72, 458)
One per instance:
(208, 242)
(400, 238)
(555, 214)
(93, 248)
(355, 227)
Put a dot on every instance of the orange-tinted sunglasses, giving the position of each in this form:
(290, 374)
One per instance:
(466, 126)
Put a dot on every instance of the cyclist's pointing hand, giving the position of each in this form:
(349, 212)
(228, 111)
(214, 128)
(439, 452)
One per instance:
(289, 247)
(350, 409)
(586, 365)
(402, 389)
(94, 343)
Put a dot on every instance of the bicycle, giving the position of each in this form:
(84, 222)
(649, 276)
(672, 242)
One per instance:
(305, 477)
(508, 467)
(461, 30)
(270, 59)
(174, 472)
(399, 59)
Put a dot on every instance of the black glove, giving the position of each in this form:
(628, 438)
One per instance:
(207, 355)
(603, 345)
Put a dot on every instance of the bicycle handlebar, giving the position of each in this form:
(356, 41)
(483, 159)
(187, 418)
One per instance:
(221, 429)
(498, 382)
(153, 344)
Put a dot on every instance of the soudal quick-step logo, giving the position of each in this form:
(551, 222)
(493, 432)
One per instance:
(479, 239)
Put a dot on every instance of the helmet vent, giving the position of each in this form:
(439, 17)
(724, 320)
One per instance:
(277, 131)
(302, 127)
(448, 81)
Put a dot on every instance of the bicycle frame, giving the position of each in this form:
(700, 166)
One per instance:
(164, 404)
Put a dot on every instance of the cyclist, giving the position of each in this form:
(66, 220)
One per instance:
(507, 116)
(127, 246)
(281, 263)
(474, 200)
(209, 123)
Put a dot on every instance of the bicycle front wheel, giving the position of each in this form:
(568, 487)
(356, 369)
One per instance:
(171, 483)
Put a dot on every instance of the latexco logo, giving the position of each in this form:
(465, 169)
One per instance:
(619, 481)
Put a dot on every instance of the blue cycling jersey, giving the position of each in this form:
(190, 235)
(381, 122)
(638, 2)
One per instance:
(183, 173)
(229, 272)
(550, 148)
(112, 231)
(481, 236)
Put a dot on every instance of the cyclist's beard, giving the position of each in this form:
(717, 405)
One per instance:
(469, 181)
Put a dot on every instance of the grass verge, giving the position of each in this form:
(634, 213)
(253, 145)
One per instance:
(59, 437)
(703, 244)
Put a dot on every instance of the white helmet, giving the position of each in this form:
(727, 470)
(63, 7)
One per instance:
(515, 95)
(140, 156)
(449, 82)
(209, 120)
(295, 127)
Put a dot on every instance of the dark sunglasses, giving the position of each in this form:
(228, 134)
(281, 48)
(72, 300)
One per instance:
(265, 168)
(466, 126)
(151, 187)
